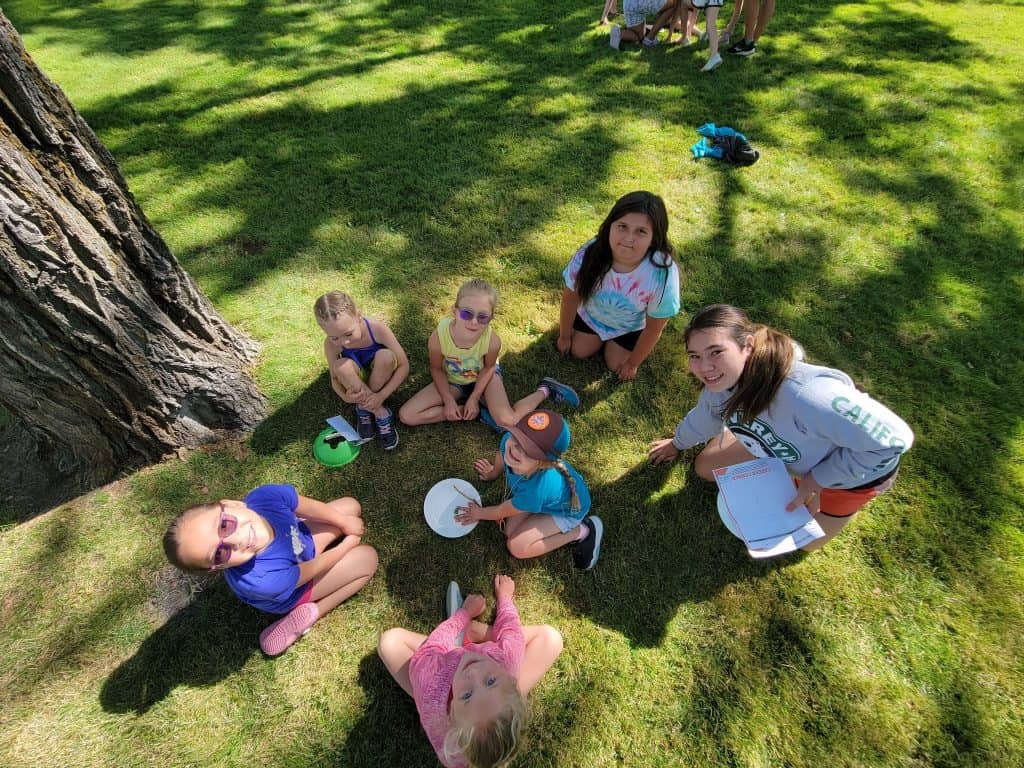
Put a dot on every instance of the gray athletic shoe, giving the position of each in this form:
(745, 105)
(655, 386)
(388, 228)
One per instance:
(452, 603)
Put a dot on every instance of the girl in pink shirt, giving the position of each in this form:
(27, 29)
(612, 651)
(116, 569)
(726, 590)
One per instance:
(471, 698)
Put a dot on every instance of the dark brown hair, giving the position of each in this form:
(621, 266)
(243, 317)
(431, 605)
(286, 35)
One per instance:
(597, 259)
(770, 360)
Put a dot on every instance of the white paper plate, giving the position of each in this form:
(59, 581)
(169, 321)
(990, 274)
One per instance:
(723, 512)
(441, 502)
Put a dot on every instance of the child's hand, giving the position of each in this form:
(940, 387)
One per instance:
(469, 513)
(564, 344)
(662, 451)
(475, 605)
(372, 401)
(808, 494)
(484, 469)
(353, 526)
(627, 371)
(504, 586)
(471, 409)
(452, 412)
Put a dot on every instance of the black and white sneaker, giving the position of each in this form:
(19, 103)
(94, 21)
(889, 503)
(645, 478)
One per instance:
(586, 552)
(743, 48)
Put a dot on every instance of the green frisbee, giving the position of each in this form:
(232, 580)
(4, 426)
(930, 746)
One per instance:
(333, 450)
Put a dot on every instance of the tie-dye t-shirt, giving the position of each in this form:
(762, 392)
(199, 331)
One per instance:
(624, 300)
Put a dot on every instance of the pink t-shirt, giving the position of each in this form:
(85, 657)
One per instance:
(432, 668)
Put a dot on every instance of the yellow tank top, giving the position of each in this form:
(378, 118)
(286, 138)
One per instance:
(462, 365)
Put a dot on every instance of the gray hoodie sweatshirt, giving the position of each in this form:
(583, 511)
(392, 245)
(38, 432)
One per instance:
(818, 422)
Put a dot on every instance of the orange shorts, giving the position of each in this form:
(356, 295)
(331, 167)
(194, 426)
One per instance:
(843, 502)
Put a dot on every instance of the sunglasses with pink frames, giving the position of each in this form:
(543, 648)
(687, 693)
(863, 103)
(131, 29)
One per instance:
(226, 525)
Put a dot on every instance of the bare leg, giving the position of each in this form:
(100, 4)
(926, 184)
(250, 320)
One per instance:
(425, 407)
(357, 564)
(831, 526)
(730, 27)
(528, 535)
(723, 451)
(380, 374)
(345, 578)
(504, 414)
(325, 534)
(395, 648)
(614, 355)
(750, 8)
(767, 11)
(711, 27)
(345, 379)
(585, 344)
(609, 11)
(543, 644)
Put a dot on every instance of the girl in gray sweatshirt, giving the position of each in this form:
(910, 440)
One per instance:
(761, 399)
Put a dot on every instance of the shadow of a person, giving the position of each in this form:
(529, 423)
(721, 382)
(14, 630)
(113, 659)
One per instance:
(200, 645)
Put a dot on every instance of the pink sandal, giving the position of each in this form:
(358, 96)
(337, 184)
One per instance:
(280, 635)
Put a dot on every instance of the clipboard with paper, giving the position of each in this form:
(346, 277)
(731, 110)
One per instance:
(752, 503)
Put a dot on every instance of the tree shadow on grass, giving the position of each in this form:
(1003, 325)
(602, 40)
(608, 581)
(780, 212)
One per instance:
(200, 645)
(662, 549)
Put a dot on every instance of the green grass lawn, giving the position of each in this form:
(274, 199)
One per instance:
(394, 149)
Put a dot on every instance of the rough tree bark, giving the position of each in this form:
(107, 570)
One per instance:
(109, 354)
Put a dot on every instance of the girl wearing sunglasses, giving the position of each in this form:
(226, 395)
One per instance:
(464, 370)
(280, 552)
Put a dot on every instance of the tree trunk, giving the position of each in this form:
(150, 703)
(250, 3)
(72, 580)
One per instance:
(111, 356)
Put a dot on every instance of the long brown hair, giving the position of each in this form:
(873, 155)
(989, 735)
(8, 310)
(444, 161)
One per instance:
(597, 259)
(771, 358)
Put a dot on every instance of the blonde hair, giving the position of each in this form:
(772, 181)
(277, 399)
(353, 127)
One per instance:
(495, 744)
(574, 499)
(172, 539)
(332, 304)
(476, 285)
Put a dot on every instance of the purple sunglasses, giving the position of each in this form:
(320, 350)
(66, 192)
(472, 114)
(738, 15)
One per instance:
(226, 525)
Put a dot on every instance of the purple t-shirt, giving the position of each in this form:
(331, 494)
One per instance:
(269, 580)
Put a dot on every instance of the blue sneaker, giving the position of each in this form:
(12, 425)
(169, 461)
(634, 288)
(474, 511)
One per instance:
(486, 418)
(561, 393)
(364, 425)
(386, 432)
(452, 603)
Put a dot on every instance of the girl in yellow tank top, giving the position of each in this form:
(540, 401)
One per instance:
(466, 381)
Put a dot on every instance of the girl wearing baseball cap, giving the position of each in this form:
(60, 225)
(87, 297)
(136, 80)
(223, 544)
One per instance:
(546, 502)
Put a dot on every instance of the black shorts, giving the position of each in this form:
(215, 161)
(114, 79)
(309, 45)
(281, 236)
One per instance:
(626, 341)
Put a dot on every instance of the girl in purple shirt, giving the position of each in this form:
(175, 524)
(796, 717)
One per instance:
(280, 552)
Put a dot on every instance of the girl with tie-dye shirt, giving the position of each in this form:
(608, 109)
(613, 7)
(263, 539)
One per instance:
(622, 287)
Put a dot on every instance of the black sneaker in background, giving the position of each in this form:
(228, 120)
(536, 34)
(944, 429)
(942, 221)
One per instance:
(743, 48)
(585, 553)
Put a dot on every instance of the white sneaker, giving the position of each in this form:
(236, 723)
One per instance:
(452, 603)
(615, 37)
(724, 38)
(713, 62)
